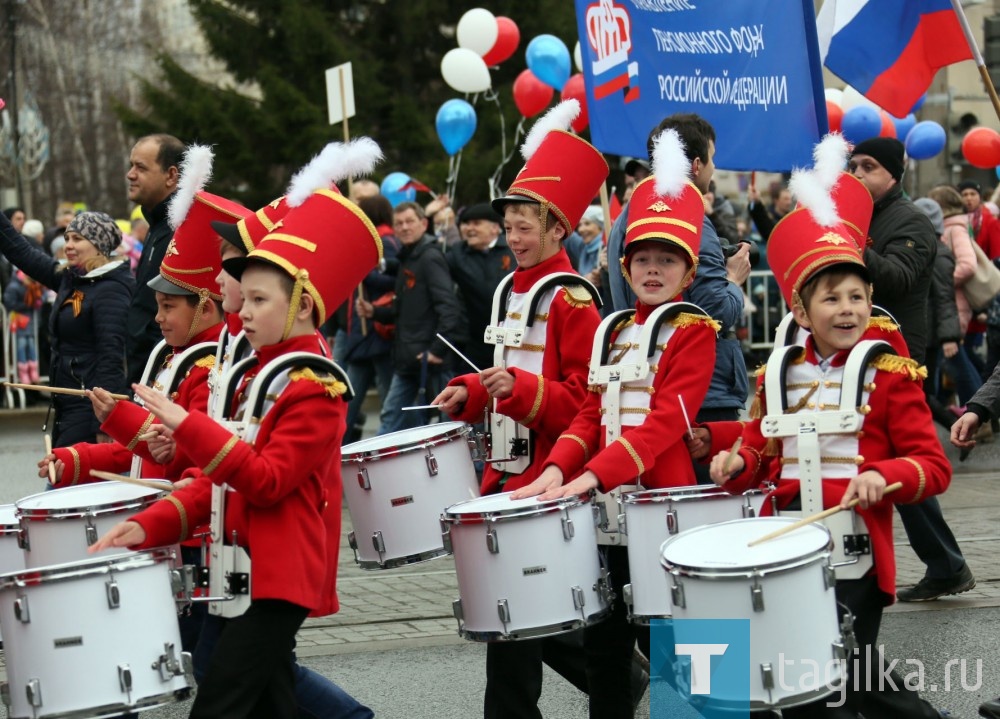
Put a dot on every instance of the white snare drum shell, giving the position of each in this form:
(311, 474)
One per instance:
(94, 638)
(397, 485)
(784, 587)
(525, 568)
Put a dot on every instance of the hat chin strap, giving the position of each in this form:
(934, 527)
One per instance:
(543, 219)
(293, 305)
(203, 297)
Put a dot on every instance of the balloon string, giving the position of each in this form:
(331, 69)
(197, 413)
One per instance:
(454, 163)
(494, 181)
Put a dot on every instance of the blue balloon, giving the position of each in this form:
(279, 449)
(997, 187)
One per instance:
(919, 103)
(390, 188)
(860, 123)
(548, 59)
(904, 125)
(925, 140)
(998, 172)
(456, 124)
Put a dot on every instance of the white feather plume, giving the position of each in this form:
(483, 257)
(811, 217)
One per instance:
(671, 167)
(195, 173)
(559, 117)
(830, 158)
(810, 192)
(334, 163)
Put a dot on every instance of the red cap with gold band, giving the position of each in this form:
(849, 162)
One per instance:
(562, 171)
(854, 205)
(245, 234)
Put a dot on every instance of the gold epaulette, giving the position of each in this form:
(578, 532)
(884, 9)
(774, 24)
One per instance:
(332, 385)
(883, 323)
(689, 319)
(627, 322)
(208, 362)
(759, 372)
(900, 365)
(577, 296)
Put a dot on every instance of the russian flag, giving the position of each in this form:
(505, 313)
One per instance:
(889, 50)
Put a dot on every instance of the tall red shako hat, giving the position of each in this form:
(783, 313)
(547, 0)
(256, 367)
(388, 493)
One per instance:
(325, 242)
(854, 205)
(666, 206)
(812, 237)
(562, 172)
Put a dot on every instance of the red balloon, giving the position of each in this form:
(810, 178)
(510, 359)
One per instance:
(574, 89)
(981, 147)
(508, 38)
(834, 115)
(888, 126)
(531, 95)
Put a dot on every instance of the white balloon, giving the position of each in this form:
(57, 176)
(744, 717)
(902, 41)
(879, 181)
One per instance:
(478, 31)
(852, 98)
(835, 96)
(465, 71)
(578, 57)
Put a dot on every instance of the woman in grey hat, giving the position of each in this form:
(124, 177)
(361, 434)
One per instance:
(87, 325)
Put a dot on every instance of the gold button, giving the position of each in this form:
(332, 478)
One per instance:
(811, 405)
(866, 409)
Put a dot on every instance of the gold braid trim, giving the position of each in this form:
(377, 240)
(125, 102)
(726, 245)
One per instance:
(181, 510)
(803, 400)
(757, 458)
(900, 365)
(689, 319)
(579, 441)
(577, 296)
(757, 406)
(921, 476)
(293, 307)
(76, 464)
(207, 362)
(203, 297)
(759, 372)
(882, 323)
(331, 385)
(857, 461)
(632, 453)
(221, 455)
(537, 405)
(142, 430)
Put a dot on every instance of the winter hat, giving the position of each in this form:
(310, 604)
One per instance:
(594, 214)
(99, 229)
(887, 151)
(479, 211)
(933, 211)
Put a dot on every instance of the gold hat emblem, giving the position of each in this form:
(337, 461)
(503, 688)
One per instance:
(659, 206)
(832, 238)
(172, 248)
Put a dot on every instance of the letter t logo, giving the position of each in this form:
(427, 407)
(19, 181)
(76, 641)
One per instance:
(701, 664)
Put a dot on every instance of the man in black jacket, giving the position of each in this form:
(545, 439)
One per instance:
(152, 179)
(900, 260)
(425, 306)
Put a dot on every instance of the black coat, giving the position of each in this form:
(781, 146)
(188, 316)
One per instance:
(425, 305)
(899, 261)
(87, 333)
(942, 314)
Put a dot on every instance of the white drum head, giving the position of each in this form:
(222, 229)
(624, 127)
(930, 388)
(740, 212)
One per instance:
(97, 494)
(723, 547)
(400, 439)
(676, 494)
(503, 504)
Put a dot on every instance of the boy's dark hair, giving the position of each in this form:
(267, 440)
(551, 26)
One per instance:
(695, 132)
(193, 300)
(378, 209)
(833, 275)
(171, 150)
(404, 206)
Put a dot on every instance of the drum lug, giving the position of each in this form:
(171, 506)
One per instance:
(125, 679)
(363, 480)
(850, 642)
(767, 675)
(757, 597)
(672, 521)
(602, 516)
(622, 524)
(677, 594)
(91, 532)
(114, 595)
(492, 543)
(432, 463)
(22, 538)
(169, 665)
(748, 511)
(352, 540)
(21, 612)
(567, 526)
(446, 537)
(627, 598)
(829, 576)
(33, 690)
(503, 611)
(578, 599)
(456, 609)
(378, 543)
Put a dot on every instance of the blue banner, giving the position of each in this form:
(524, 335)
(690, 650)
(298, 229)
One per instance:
(749, 67)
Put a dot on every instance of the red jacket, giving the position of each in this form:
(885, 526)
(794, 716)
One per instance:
(286, 484)
(547, 403)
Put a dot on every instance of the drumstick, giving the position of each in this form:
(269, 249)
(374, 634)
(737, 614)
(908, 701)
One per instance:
(728, 464)
(48, 451)
(817, 517)
(687, 420)
(112, 477)
(422, 406)
(455, 350)
(61, 390)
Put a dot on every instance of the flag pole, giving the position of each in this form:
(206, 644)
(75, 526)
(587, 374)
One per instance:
(977, 56)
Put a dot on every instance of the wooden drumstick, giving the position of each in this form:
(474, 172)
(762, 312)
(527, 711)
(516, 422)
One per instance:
(112, 477)
(727, 466)
(61, 390)
(817, 517)
(48, 451)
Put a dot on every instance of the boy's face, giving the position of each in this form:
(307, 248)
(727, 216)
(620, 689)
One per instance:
(229, 286)
(837, 314)
(265, 306)
(658, 273)
(174, 316)
(523, 228)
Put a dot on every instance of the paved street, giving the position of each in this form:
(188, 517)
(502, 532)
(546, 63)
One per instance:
(394, 643)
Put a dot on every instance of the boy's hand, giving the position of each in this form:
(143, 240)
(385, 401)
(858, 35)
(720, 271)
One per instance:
(867, 487)
(964, 429)
(170, 414)
(125, 534)
(723, 469)
(550, 478)
(102, 402)
(452, 399)
(162, 447)
(498, 382)
(43, 467)
(699, 446)
(582, 484)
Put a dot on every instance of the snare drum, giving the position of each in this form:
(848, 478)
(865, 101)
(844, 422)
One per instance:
(94, 638)
(654, 515)
(784, 587)
(398, 484)
(525, 568)
(58, 526)
(11, 554)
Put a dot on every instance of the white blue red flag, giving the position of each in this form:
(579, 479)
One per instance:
(889, 50)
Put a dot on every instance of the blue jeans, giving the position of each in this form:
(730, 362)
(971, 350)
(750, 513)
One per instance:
(406, 391)
(26, 351)
(362, 373)
(317, 697)
(963, 373)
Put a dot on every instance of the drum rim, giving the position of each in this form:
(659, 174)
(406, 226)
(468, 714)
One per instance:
(549, 630)
(36, 514)
(660, 495)
(458, 429)
(87, 567)
(151, 702)
(552, 505)
(406, 561)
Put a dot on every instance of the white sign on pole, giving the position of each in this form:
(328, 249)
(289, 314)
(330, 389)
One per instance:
(340, 93)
